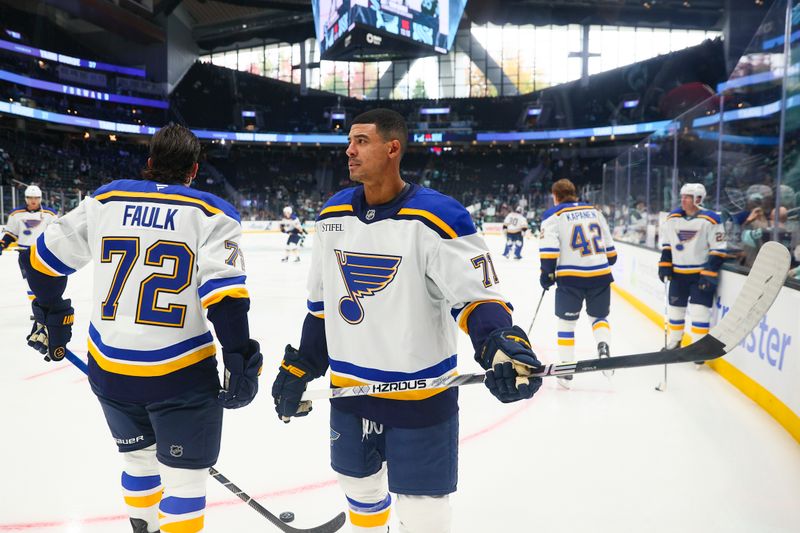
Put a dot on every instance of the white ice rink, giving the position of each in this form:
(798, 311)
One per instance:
(610, 455)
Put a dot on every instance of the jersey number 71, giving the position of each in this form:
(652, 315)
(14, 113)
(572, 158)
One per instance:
(175, 282)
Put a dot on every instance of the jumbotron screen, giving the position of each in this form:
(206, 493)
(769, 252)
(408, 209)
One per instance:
(375, 30)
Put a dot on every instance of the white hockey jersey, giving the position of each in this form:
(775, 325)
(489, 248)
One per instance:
(291, 225)
(161, 254)
(576, 245)
(25, 226)
(693, 245)
(515, 223)
(389, 283)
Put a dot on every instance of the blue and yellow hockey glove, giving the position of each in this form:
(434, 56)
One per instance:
(509, 361)
(547, 279)
(708, 281)
(240, 385)
(52, 329)
(290, 385)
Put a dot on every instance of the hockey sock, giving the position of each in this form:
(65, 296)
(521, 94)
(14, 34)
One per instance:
(566, 339)
(518, 249)
(369, 501)
(508, 248)
(141, 485)
(424, 514)
(676, 316)
(182, 509)
(700, 316)
(601, 329)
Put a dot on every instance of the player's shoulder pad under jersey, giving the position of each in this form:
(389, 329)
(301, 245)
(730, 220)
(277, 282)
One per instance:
(340, 204)
(676, 213)
(711, 216)
(439, 212)
(565, 208)
(49, 211)
(148, 191)
(17, 211)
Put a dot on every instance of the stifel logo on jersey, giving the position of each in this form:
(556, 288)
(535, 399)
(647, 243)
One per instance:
(363, 275)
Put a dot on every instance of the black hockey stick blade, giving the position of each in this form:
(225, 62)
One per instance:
(763, 283)
(331, 526)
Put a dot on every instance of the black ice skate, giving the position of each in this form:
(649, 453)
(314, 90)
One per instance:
(564, 381)
(140, 526)
(603, 352)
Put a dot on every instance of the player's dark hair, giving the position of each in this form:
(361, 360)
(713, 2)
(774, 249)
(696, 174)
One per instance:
(174, 149)
(564, 191)
(390, 125)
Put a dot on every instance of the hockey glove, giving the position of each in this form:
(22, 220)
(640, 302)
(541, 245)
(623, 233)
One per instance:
(289, 386)
(52, 329)
(241, 376)
(664, 273)
(509, 360)
(707, 283)
(547, 279)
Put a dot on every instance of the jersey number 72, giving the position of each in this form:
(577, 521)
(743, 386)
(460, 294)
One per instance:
(147, 309)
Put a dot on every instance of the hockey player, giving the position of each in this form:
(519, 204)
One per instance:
(25, 225)
(393, 264)
(692, 251)
(161, 253)
(514, 227)
(576, 251)
(291, 224)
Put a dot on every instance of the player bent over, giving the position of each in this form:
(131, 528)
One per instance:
(576, 251)
(25, 225)
(693, 248)
(291, 224)
(514, 226)
(393, 264)
(161, 253)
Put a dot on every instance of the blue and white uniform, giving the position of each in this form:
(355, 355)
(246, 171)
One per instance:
(388, 286)
(23, 227)
(291, 224)
(693, 248)
(577, 248)
(514, 227)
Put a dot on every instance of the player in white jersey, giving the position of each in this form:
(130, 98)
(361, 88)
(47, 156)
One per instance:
(393, 264)
(514, 226)
(693, 248)
(25, 225)
(291, 224)
(576, 251)
(162, 253)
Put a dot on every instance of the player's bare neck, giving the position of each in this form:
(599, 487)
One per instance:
(383, 190)
(692, 211)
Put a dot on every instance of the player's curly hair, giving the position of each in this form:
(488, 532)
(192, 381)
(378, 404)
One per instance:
(564, 191)
(390, 125)
(174, 150)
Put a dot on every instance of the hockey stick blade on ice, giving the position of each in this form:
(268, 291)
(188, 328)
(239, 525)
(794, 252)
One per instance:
(759, 291)
(328, 527)
(335, 524)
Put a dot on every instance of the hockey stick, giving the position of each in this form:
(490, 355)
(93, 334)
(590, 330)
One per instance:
(535, 313)
(760, 289)
(661, 387)
(330, 526)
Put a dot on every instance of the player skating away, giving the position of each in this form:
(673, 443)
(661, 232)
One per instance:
(514, 227)
(25, 225)
(576, 251)
(693, 248)
(291, 224)
(161, 254)
(392, 265)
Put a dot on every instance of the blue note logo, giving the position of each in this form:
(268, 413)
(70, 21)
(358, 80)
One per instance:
(685, 235)
(30, 224)
(363, 275)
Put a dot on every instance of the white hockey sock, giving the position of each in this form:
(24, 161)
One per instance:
(601, 329)
(369, 501)
(566, 339)
(700, 316)
(182, 509)
(424, 514)
(676, 316)
(141, 485)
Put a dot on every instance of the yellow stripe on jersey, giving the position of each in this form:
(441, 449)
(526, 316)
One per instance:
(706, 217)
(462, 322)
(342, 381)
(574, 208)
(142, 502)
(150, 370)
(430, 216)
(160, 196)
(40, 265)
(369, 520)
(216, 297)
(582, 273)
(336, 209)
(548, 255)
(184, 526)
(709, 273)
(681, 270)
